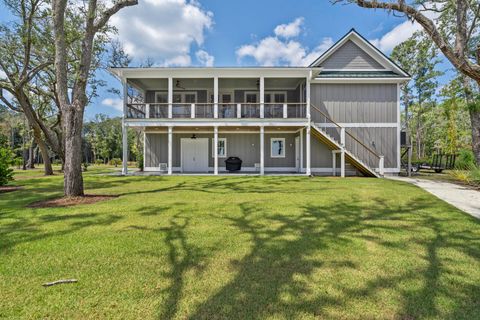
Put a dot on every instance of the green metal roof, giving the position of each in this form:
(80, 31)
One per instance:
(358, 74)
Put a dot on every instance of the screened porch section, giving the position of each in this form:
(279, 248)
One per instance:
(283, 98)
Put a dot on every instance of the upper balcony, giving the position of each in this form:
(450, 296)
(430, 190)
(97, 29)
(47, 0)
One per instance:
(159, 96)
(207, 111)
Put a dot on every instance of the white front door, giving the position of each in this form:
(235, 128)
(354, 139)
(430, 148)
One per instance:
(194, 155)
(297, 153)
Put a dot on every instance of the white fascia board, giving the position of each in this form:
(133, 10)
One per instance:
(360, 80)
(149, 73)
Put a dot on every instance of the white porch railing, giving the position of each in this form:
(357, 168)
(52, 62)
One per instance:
(207, 110)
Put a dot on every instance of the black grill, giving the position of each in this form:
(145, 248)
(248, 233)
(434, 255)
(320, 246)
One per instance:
(233, 164)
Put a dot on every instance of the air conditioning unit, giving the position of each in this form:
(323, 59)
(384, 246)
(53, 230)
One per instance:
(163, 167)
(257, 166)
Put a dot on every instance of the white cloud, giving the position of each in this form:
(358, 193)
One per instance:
(205, 58)
(163, 30)
(400, 33)
(289, 30)
(114, 103)
(273, 50)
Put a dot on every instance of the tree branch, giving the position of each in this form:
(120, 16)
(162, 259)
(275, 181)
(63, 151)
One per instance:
(107, 14)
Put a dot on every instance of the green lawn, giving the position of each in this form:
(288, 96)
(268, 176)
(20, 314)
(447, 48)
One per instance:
(238, 248)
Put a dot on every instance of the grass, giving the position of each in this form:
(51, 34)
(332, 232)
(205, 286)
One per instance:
(237, 248)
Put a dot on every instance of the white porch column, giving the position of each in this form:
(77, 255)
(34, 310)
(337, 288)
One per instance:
(215, 97)
(262, 150)
(307, 94)
(342, 162)
(334, 163)
(262, 97)
(381, 169)
(170, 142)
(170, 97)
(124, 130)
(124, 148)
(301, 150)
(215, 150)
(308, 170)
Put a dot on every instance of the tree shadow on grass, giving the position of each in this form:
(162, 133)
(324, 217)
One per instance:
(270, 280)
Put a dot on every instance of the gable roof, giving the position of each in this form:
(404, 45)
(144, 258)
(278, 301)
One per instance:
(365, 46)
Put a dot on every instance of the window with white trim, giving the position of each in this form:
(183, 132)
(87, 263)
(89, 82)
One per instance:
(277, 147)
(222, 147)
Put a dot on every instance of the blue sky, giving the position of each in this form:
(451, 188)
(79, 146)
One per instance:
(248, 32)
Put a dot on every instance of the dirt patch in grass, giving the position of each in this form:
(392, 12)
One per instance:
(4, 189)
(70, 201)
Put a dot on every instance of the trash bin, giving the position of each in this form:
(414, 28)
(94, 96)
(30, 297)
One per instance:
(233, 164)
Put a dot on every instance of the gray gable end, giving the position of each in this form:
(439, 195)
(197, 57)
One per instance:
(351, 56)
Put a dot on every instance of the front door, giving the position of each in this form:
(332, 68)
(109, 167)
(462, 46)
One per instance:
(194, 155)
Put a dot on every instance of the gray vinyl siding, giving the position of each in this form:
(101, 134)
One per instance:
(156, 149)
(355, 103)
(381, 140)
(351, 56)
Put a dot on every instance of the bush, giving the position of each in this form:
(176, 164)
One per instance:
(18, 162)
(115, 162)
(465, 160)
(6, 160)
(99, 162)
(140, 162)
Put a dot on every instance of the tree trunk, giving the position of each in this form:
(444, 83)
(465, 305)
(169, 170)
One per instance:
(44, 151)
(72, 125)
(31, 160)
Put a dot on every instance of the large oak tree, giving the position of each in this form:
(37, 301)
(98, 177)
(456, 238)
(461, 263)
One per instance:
(72, 105)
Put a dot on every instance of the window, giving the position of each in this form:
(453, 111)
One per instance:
(277, 148)
(222, 147)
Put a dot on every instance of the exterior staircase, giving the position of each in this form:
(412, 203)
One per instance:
(335, 137)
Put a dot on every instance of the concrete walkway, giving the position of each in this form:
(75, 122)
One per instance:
(463, 198)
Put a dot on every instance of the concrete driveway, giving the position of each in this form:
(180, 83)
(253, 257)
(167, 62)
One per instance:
(463, 198)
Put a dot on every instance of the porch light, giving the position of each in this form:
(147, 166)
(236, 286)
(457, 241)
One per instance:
(193, 136)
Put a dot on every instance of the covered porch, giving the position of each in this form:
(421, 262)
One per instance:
(191, 150)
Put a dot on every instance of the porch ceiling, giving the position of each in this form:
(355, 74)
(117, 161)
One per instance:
(207, 83)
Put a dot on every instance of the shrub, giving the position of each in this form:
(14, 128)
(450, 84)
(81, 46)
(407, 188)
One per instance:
(99, 162)
(465, 160)
(475, 176)
(18, 162)
(6, 160)
(115, 162)
(140, 162)
(461, 175)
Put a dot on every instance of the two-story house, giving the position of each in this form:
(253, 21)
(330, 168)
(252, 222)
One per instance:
(340, 115)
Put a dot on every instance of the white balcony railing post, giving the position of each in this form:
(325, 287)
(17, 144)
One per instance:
(285, 111)
(239, 110)
(342, 136)
(192, 110)
(147, 111)
(381, 168)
